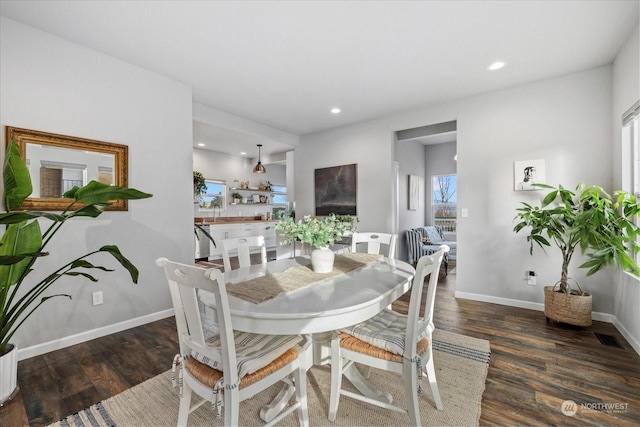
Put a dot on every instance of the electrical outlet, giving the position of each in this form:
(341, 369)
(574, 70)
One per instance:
(531, 278)
(97, 298)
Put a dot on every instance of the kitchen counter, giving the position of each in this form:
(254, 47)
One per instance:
(230, 220)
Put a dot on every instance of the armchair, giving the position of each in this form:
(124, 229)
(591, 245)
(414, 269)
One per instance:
(426, 241)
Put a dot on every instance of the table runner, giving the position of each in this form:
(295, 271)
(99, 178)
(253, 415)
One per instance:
(265, 288)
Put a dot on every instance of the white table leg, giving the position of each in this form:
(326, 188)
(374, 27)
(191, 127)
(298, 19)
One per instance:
(321, 348)
(270, 411)
(354, 375)
(322, 355)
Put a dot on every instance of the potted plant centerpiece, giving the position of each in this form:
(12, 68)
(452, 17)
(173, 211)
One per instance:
(602, 227)
(23, 243)
(318, 232)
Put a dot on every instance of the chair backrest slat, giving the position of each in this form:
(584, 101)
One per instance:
(243, 246)
(428, 265)
(374, 242)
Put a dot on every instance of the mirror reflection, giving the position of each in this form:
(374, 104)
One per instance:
(57, 163)
(56, 170)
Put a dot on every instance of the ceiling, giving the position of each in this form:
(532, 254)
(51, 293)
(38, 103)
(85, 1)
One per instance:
(285, 64)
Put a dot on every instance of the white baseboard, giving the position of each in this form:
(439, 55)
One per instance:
(538, 306)
(602, 317)
(502, 301)
(627, 335)
(58, 344)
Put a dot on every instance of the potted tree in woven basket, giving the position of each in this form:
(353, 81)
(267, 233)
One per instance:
(602, 227)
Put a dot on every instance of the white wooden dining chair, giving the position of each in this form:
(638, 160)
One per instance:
(393, 342)
(243, 246)
(374, 242)
(224, 366)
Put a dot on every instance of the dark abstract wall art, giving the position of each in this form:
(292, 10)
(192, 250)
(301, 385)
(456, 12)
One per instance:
(336, 190)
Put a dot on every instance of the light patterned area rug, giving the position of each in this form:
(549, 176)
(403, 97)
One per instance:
(461, 370)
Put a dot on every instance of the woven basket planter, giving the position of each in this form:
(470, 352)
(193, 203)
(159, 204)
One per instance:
(573, 308)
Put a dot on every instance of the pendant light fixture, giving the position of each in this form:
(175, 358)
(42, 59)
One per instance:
(259, 168)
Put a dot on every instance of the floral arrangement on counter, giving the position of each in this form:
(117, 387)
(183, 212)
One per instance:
(318, 232)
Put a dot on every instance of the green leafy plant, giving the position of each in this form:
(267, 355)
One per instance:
(236, 196)
(204, 231)
(318, 232)
(23, 242)
(602, 227)
(199, 184)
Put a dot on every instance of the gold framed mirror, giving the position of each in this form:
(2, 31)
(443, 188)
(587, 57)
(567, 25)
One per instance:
(58, 162)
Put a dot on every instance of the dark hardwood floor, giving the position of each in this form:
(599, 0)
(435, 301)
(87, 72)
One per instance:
(535, 366)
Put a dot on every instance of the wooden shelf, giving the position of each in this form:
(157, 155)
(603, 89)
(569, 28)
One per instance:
(251, 204)
(250, 189)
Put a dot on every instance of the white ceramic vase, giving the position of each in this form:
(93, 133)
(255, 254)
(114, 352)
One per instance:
(322, 260)
(8, 374)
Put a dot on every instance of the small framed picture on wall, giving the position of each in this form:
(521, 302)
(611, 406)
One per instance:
(414, 192)
(526, 173)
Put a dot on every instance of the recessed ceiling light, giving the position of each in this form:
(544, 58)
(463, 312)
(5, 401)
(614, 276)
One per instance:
(335, 110)
(200, 144)
(243, 153)
(496, 65)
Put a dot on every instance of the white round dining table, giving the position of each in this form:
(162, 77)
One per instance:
(335, 303)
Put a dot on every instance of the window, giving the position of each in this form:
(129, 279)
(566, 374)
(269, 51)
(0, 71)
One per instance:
(631, 145)
(279, 198)
(215, 195)
(444, 201)
(632, 140)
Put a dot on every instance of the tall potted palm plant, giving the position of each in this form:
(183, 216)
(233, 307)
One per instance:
(23, 243)
(602, 227)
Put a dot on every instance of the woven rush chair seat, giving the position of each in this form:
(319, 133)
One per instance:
(354, 344)
(210, 376)
(253, 351)
(386, 330)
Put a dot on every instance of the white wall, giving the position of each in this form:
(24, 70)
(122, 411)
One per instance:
(626, 91)
(370, 145)
(215, 165)
(564, 120)
(410, 156)
(52, 85)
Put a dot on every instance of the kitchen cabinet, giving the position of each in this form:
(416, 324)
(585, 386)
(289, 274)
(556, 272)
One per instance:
(268, 230)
